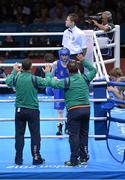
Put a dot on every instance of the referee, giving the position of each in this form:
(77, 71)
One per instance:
(74, 38)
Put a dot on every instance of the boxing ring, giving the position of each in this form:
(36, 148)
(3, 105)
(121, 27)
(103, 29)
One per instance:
(55, 149)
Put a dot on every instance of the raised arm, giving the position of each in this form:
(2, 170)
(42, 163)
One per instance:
(10, 78)
(91, 69)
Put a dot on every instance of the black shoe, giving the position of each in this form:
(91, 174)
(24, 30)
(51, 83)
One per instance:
(66, 128)
(85, 156)
(18, 161)
(38, 160)
(69, 163)
(59, 132)
(84, 160)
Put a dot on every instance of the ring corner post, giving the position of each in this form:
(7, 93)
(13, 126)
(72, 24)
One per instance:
(100, 115)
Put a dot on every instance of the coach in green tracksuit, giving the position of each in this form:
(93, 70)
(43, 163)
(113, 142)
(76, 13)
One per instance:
(27, 109)
(78, 108)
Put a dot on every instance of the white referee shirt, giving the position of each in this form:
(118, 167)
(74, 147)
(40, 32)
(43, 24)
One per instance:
(74, 39)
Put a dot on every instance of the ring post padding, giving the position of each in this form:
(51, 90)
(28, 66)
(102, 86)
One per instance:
(100, 126)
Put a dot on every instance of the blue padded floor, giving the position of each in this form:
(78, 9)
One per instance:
(55, 151)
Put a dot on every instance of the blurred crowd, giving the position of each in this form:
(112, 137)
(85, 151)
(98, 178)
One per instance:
(50, 11)
(26, 12)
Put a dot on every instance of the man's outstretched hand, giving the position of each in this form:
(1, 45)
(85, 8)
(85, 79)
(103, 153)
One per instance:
(47, 68)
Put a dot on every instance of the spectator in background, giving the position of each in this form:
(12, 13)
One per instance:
(95, 6)
(115, 73)
(22, 12)
(2, 73)
(79, 10)
(48, 58)
(117, 92)
(41, 14)
(38, 41)
(74, 38)
(59, 15)
(106, 22)
(106, 25)
(10, 41)
(54, 10)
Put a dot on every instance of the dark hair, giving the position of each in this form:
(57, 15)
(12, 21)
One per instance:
(116, 72)
(73, 17)
(49, 57)
(73, 66)
(26, 64)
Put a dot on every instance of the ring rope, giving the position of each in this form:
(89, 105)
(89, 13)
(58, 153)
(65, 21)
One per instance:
(53, 119)
(108, 107)
(32, 34)
(30, 49)
(44, 64)
(116, 138)
(2, 80)
(110, 61)
(43, 33)
(41, 119)
(53, 100)
(53, 136)
(112, 83)
(99, 83)
(34, 64)
(98, 100)
(40, 100)
(3, 85)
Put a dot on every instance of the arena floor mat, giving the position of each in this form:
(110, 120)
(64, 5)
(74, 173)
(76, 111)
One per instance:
(56, 151)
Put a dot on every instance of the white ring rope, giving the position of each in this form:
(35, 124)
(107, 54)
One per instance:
(99, 32)
(111, 45)
(3, 86)
(53, 119)
(33, 64)
(40, 100)
(98, 100)
(2, 80)
(6, 100)
(44, 33)
(44, 64)
(30, 49)
(54, 136)
(99, 83)
(41, 119)
(32, 34)
(53, 100)
(107, 61)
